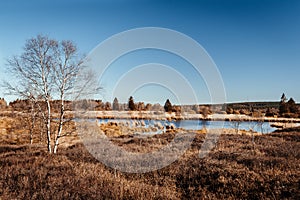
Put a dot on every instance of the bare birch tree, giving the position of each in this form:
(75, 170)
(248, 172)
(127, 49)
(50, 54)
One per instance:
(236, 123)
(66, 69)
(33, 73)
(46, 70)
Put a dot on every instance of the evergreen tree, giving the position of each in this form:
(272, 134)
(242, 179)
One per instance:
(283, 107)
(116, 104)
(168, 106)
(292, 107)
(283, 98)
(131, 105)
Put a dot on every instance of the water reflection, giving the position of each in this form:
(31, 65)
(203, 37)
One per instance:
(261, 127)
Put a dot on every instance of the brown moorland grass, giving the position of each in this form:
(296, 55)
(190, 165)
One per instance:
(240, 167)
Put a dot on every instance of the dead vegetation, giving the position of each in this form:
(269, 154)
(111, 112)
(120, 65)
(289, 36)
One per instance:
(15, 128)
(240, 167)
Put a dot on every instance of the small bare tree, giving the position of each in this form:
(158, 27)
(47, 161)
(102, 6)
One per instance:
(47, 70)
(236, 123)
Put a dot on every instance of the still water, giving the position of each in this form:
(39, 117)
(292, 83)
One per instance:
(262, 127)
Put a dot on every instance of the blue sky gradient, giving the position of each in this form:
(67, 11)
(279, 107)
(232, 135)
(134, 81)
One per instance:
(255, 44)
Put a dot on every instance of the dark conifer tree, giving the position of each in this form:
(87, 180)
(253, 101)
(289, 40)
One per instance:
(116, 104)
(168, 106)
(131, 105)
(283, 107)
(292, 107)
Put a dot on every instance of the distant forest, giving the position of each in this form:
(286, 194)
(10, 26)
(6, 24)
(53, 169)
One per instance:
(282, 108)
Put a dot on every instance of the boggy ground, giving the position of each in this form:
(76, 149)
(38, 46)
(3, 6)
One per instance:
(239, 167)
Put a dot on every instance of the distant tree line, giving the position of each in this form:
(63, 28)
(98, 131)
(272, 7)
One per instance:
(283, 108)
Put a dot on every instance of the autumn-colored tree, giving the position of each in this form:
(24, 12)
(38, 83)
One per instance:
(148, 106)
(3, 103)
(140, 106)
(107, 106)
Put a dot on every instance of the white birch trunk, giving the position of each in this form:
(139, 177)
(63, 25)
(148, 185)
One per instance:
(60, 125)
(48, 126)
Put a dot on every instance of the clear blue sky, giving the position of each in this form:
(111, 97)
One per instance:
(255, 44)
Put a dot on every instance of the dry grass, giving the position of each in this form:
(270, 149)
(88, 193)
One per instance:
(238, 168)
(14, 129)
